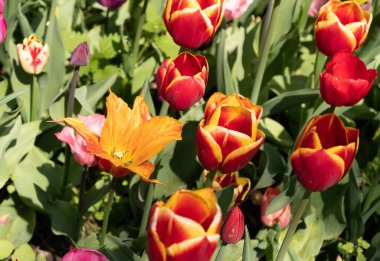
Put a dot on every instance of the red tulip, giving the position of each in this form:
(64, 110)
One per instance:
(324, 152)
(111, 4)
(346, 80)
(233, 226)
(186, 227)
(281, 217)
(341, 26)
(182, 80)
(81, 254)
(192, 23)
(228, 137)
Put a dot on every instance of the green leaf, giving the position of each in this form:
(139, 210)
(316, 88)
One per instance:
(80, 96)
(116, 250)
(247, 250)
(225, 197)
(11, 96)
(90, 242)
(288, 100)
(96, 193)
(20, 226)
(6, 248)
(24, 253)
(275, 132)
(24, 24)
(142, 73)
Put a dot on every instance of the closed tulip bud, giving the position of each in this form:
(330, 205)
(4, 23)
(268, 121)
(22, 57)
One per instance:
(341, 26)
(241, 186)
(81, 55)
(3, 28)
(324, 152)
(111, 4)
(233, 9)
(186, 227)
(32, 55)
(228, 136)
(182, 80)
(233, 226)
(280, 217)
(346, 80)
(79, 254)
(192, 23)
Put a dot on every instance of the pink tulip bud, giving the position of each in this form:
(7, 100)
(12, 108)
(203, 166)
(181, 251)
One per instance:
(3, 28)
(111, 4)
(32, 55)
(80, 254)
(233, 9)
(281, 217)
(233, 226)
(4, 219)
(81, 55)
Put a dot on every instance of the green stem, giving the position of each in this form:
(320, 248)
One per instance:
(268, 16)
(82, 189)
(293, 226)
(148, 204)
(221, 251)
(266, 43)
(33, 98)
(107, 211)
(220, 77)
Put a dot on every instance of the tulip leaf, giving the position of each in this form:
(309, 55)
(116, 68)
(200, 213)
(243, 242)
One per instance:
(288, 100)
(225, 197)
(24, 253)
(142, 73)
(247, 249)
(26, 29)
(90, 242)
(116, 250)
(275, 132)
(6, 248)
(11, 96)
(96, 193)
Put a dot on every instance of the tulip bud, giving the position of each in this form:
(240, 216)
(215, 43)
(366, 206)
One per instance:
(81, 55)
(3, 28)
(341, 26)
(192, 23)
(233, 9)
(233, 226)
(186, 227)
(228, 137)
(182, 80)
(324, 152)
(84, 254)
(281, 217)
(346, 80)
(4, 219)
(111, 4)
(32, 55)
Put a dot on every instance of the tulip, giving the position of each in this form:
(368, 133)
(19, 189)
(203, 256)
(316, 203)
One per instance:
(111, 4)
(341, 26)
(192, 23)
(280, 217)
(233, 9)
(3, 28)
(80, 254)
(228, 136)
(182, 80)
(241, 186)
(315, 5)
(346, 80)
(81, 55)
(77, 144)
(324, 152)
(186, 227)
(33, 55)
(233, 226)
(4, 219)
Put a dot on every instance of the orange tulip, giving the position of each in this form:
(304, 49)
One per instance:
(192, 23)
(228, 137)
(324, 152)
(281, 217)
(186, 227)
(129, 138)
(341, 26)
(241, 186)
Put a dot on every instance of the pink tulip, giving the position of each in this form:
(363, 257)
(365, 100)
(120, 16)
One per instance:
(3, 23)
(81, 254)
(281, 217)
(4, 219)
(233, 9)
(111, 4)
(77, 143)
(315, 6)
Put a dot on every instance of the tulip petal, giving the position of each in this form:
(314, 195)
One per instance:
(208, 151)
(155, 249)
(187, 64)
(317, 170)
(212, 103)
(235, 118)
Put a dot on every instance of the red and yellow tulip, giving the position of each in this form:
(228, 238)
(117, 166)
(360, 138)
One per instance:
(182, 81)
(324, 152)
(346, 80)
(341, 26)
(228, 137)
(129, 138)
(192, 23)
(186, 227)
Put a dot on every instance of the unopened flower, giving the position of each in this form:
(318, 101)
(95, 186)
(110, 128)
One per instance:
(84, 254)
(233, 226)
(4, 219)
(32, 55)
(81, 55)
(111, 4)
(281, 217)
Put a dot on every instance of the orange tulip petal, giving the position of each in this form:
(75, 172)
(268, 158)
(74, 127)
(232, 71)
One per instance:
(317, 170)
(212, 103)
(236, 118)
(208, 151)
(155, 249)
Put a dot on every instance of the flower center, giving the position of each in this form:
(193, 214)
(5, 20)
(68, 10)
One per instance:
(120, 155)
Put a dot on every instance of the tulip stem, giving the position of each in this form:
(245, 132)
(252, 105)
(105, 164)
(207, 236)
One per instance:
(82, 188)
(107, 211)
(33, 97)
(266, 44)
(222, 249)
(293, 226)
